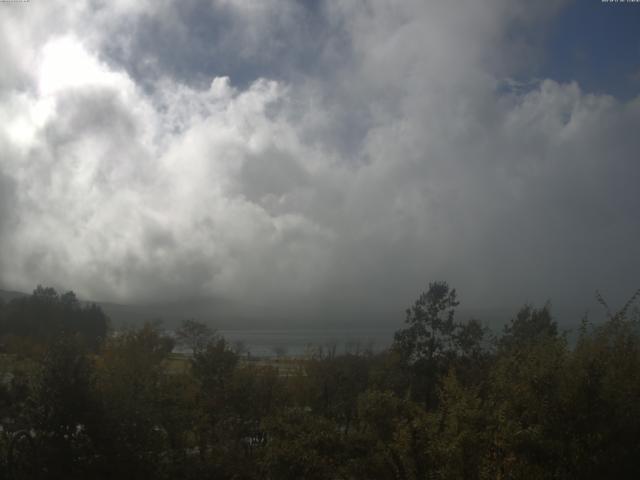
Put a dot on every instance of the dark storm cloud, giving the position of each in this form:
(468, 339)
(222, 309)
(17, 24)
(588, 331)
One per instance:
(7, 202)
(357, 151)
(272, 174)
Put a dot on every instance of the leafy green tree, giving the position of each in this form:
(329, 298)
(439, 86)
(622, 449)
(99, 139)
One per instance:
(256, 392)
(130, 374)
(177, 406)
(601, 420)
(213, 369)
(45, 315)
(462, 429)
(65, 409)
(433, 341)
(397, 434)
(237, 437)
(334, 383)
(530, 325)
(430, 335)
(525, 394)
(389, 373)
(301, 445)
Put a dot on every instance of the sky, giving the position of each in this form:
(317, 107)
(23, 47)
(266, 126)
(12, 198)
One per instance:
(321, 156)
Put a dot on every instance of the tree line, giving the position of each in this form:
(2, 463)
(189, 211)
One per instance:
(40, 318)
(448, 400)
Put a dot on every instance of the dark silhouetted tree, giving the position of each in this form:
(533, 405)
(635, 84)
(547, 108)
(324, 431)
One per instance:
(194, 335)
(433, 342)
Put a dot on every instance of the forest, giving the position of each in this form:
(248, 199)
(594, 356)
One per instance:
(448, 400)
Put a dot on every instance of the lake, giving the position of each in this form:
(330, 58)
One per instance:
(298, 342)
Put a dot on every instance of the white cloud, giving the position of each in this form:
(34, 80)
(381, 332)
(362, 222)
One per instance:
(65, 64)
(393, 161)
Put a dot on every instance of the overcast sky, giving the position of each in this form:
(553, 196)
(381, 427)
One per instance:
(321, 153)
